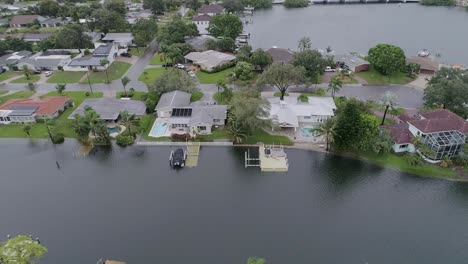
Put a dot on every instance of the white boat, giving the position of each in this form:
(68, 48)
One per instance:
(424, 53)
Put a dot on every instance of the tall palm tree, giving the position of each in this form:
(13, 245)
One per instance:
(236, 132)
(26, 71)
(27, 130)
(388, 101)
(125, 80)
(103, 63)
(327, 129)
(128, 120)
(60, 88)
(335, 85)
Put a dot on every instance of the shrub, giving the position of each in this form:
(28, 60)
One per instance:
(320, 92)
(57, 138)
(60, 68)
(181, 137)
(303, 98)
(414, 159)
(86, 52)
(87, 94)
(124, 140)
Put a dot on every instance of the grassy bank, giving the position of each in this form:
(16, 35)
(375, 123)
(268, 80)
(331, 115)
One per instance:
(374, 77)
(8, 75)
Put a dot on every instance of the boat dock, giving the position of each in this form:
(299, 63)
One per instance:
(270, 159)
(193, 152)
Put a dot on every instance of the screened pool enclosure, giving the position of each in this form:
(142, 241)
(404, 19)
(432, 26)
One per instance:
(444, 144)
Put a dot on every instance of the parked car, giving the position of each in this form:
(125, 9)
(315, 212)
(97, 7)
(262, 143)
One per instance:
(2, 70)
(191, 73)
(36, 71)
(180, 66)
(133, 45)
(167, 64)
(329, 69)
(48, 73)
(126, 54)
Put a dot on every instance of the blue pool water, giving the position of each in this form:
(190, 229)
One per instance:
(111, 130)
(307, 131)
(159, 129)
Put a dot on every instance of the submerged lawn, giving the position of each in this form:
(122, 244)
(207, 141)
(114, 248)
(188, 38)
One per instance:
(8, 75)
(374, 77)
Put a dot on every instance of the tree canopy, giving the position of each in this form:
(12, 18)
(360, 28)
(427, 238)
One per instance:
(282, 76)
(175, 31)
(243, 71)
(248, 110)
(261, 59)
(313, 63)
(448, 89)
(48, 8)
(172, 80)
(304, 44)
(117, 6)
(157, 6)
(387, 59)
(225, 25)
(144, 30)
(21, 250)
(72, 36)
(107, 20)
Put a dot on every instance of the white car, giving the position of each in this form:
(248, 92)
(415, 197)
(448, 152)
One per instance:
(191, 73)
(48, 73)
(180, 66)
(329, 69)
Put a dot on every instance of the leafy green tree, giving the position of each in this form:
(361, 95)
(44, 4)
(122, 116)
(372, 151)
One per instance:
(107, 20)
(243, 71)
(261, 59)
(389, 101)
(235, 130)
(157, 6)
(250, 111)
(259, 4)
(117, 6)
(304, 44)
(27, 130)
(144, 30)
(313, 63)
(173, 80)
(335, 85)
(129, 121)
(174, 53)
(103, 63)
(233, 6)
(295, 3)
(255, 260)
(125, 80)
(60, 88)
(194, 4)
(48, 8)
(413, 69)
(326, 129)
(439, 2)
(21, 250)
(81, 126)
(387, 59)
(73, 36)
(226, 44)
(225, 25)
(26, 71)
(448, 89)
(175, 31)
(244, 53)
(282, 76)
(15, 44)
(45, 44)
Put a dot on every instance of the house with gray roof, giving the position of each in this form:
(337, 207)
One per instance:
(119, 39)
(175, 110)
(36, 37)
(83, 63)
(209, 60)
(54, 22)
(109, 109)
(280, 55)
(353, 62)
(46, 60)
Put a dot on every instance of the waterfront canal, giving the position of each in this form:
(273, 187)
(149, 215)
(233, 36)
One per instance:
(128, 205)
(357, 27)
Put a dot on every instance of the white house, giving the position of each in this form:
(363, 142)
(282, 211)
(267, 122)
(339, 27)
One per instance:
(84, 63)
(210, 59)
(122, 40)
(291, 113)
(202, 22)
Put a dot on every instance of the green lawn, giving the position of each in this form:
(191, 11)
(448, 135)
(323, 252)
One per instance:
(137, 51)
(262, 136)
(218, 97)
(153, 73)
(278, 94)
(65, 77)
(8, 75)
(32, 79)
(3, 92)
(399, 162)
(374, 77)
(116, 70)
(137, 96)
(213, 78)
(348, 80)
(17, 95)
(196, 96)
(156, 60)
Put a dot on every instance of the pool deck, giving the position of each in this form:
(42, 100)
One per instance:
(167, 132)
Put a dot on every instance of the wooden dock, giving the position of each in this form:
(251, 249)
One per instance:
(193, 151)
(270, 159)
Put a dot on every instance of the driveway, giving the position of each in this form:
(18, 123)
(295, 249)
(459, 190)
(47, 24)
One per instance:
(139, 66)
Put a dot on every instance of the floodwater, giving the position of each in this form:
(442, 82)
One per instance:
(127, 204)
(358, 27)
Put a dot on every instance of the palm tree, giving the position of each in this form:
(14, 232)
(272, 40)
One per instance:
(27, 130)
(26, 71)
(60, 88)
(327, 129)
(128, 121)
(388, 101)
(104, 62)
(125, 80)
(236, 132)
(335, 85)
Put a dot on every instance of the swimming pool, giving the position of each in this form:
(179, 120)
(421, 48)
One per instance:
(159, 129)
(308, 131)
(111, 130)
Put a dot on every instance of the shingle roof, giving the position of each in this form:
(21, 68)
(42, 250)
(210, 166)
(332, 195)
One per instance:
(23, 19)
(103, 50)
(86, 61)
(173, 99)
(110, 108)
(438, 120)
(211, 8)
(209, 58)
(203, 17)
(46, 106)
(399, 133)
(36, 36)
(118, 37)
(280, 54)
(206, 114)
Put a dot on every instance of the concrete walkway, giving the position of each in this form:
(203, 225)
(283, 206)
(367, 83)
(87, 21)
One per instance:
(8, 93)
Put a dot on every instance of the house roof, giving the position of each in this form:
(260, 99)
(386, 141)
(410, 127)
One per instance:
(174, 99)
(46, 106)
(119, 37)
(24, 19)
(36, 36)
(53, 20)
(399, 133)
(110, 108)
(199, 42)
(202, 17)
(206, 114)
(209, 58)
(351, 60)
(86, 61)
(426, 63)
(103, 50)
(211, 8)
(280, 55)
(439, 120)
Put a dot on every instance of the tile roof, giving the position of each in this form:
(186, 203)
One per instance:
(211, 8)
(280, 54)
(436, 121)
(399, 133)
(23, 19)
(46, 106)
(203, 17)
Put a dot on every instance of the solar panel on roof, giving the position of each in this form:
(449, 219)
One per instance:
(22, 112)
(181, 112)
(24, 107)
